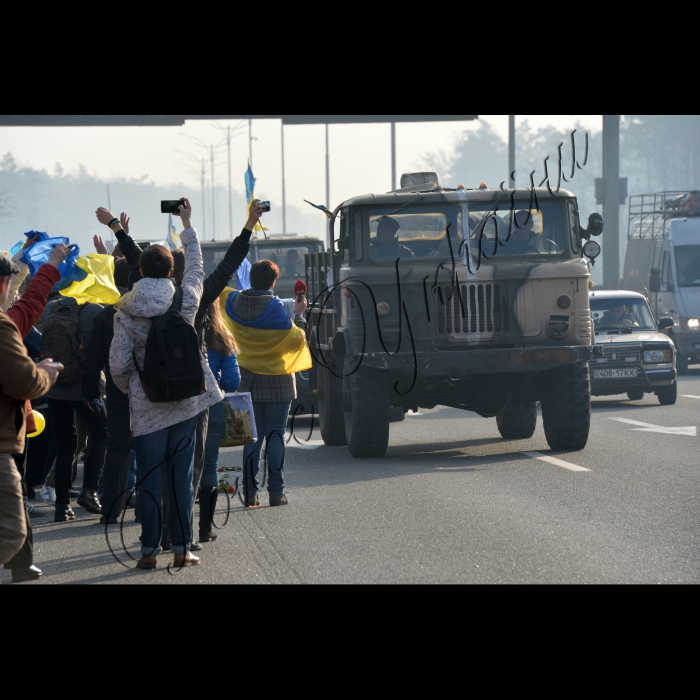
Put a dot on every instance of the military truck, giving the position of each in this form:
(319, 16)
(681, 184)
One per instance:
(473, 299)
(287, 251)
(662, 262)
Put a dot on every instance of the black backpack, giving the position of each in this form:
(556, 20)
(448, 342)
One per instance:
(62, 340)
(172, 368)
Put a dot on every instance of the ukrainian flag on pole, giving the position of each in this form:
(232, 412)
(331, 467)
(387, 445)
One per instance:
(250, 196)
(173, 239)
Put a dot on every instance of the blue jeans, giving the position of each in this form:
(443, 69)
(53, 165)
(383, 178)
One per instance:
(217, 421)
(271, 424)
(169, 451)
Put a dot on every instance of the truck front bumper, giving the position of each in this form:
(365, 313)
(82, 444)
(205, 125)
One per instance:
(466, 363)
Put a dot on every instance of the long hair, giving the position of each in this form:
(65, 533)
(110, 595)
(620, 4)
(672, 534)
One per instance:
(218, 337)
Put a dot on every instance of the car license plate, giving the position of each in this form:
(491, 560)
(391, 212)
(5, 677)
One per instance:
(615, 373)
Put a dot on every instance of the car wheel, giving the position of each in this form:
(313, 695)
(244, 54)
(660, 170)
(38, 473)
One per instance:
(667, 395)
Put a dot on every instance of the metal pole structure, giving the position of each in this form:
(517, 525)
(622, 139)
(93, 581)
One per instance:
(213, 195)
(250, 142)
(328, 173)
(611, 201)
(393, 155)
(230, 191)
(511, 151)
(284, 198)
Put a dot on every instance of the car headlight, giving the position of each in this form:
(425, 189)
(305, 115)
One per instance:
(652, 356)
(692, 324)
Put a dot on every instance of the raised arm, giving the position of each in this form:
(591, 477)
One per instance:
(193, 275)
(131, 249)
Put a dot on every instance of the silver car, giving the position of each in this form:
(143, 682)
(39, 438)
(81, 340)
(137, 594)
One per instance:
(637, 357)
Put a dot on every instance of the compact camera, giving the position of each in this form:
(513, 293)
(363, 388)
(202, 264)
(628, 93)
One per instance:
(265, 206)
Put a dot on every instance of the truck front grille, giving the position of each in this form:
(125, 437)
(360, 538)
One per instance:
(475, 308)
(620, 354)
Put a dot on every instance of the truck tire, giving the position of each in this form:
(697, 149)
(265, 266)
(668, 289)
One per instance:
(396, 414)
(566, 415)
(367, 425)
(636, 395)
(517, 421)
(668, 394)
(330, 412)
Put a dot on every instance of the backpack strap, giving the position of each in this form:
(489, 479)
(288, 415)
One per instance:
(177, 299)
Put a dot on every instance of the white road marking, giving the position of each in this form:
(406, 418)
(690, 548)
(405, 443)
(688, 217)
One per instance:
(690, 430)
(302, 444)
(557, 462)
(420, 414)
(689, 396)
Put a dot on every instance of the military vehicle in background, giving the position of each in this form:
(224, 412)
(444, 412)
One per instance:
(663, 263)
(473, 299)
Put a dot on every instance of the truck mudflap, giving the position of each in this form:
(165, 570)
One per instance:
(462, 363)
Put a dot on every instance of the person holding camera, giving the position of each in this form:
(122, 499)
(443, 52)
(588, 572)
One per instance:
(163, 430)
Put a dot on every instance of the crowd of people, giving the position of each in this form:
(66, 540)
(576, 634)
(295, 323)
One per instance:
(135, 379)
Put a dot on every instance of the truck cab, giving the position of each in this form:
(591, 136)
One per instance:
(663, 263)
(474, 299)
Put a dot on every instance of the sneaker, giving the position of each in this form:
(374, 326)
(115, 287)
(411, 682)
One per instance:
(33, 512)
(252, 501)
(278, 499)
(48, 493)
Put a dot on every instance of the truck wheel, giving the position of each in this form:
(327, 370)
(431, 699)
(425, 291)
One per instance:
(566, 415)
(517, 421)
(367, 425)
(396, 414)
(667, 394)
(637, 395)
(330, 412)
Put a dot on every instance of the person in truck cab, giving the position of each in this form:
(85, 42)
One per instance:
(386, 245)
(617, 317)
(292, 266)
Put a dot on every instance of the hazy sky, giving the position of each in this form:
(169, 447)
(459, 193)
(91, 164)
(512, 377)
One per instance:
(359, 154)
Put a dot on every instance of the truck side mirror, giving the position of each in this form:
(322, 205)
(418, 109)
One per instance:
(595, 225)
(655, 279)
(665, 322)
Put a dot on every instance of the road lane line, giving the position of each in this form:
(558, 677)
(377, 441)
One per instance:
(690, 430)
(557, 462)
(689, 396)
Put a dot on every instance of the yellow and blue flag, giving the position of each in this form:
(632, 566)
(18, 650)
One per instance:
(271, 344)
(97, 283)
(250, 196)
(173, 238)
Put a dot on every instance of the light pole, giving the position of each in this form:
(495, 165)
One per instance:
(201, 172)
(511, 151)
(229, 133)
(284, 200)
(213, 150)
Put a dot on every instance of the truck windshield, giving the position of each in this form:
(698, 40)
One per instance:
(518, 231)
(619, 314)
(688, 265)
(416, 233)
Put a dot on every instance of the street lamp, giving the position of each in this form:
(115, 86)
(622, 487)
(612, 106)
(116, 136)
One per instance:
(201, 172)
(237, 130)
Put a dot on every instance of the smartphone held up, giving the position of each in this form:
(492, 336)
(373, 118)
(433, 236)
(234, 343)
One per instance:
(171, 206)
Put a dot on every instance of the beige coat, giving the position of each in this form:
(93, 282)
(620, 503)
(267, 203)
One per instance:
(132, 322)
(20, 379)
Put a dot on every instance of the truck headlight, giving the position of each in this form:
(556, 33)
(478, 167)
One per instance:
(557, 326)
(693, 324)
(652, 356)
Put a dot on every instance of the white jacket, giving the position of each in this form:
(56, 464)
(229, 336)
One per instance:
(148, 298)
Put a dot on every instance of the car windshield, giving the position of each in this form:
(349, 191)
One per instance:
(688, 265)
(289, 258)
(621, 314)
(523, 230)
(417, 233)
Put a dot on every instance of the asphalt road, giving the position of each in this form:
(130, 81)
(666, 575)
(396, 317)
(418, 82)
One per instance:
(452, 502)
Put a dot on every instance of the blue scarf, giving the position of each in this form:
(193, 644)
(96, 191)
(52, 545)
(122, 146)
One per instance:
(275, 317)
